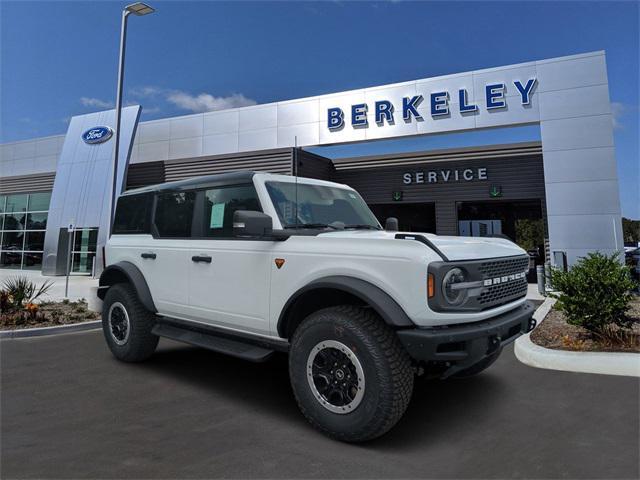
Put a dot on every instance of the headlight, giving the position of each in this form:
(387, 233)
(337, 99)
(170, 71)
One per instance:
(453, 295)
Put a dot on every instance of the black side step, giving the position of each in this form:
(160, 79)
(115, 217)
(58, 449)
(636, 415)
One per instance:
(235, 348)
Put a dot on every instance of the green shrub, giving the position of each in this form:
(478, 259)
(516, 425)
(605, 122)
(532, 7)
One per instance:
(595, 293)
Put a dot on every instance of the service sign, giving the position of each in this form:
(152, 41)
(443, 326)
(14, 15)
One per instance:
(438, 104)
(97, 135)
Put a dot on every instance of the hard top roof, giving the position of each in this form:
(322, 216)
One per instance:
(218, 180)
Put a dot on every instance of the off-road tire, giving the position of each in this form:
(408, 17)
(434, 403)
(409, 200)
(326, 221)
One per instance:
(141, 343)
(479, 367)
(386, 365)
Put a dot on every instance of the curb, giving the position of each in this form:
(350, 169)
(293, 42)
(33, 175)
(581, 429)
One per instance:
(607, 363)
(58, 329)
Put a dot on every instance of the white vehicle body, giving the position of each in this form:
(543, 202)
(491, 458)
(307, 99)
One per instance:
(243, 289)
(248, 264)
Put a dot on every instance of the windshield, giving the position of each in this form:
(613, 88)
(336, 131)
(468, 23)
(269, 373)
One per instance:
(320, 206)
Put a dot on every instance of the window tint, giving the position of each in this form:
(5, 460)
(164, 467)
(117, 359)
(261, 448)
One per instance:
(133, 214)
(174, 213)
(221, 203)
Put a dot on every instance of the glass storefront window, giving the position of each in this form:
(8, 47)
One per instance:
(10, 259)
(83, 262)
(84, 250)
(14, 221)
(34, 241)
(39, 202)
(17, 203)
(37, 221)
(12, 240)
(23, 221)
(32, 260)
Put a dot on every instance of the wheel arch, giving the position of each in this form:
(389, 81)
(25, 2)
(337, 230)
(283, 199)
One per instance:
(339, 290)
(126, 272)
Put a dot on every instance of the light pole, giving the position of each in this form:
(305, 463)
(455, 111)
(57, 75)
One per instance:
(138, 9)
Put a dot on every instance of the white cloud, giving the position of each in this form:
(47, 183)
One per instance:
(205, 102)
(146, 91)
(95, 102)
(617, 110)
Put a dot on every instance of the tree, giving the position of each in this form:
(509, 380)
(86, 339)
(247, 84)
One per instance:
(630, 230)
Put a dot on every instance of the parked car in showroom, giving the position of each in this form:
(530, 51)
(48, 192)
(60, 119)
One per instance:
(249, 264)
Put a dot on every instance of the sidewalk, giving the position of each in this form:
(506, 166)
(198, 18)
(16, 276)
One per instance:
(532, 293)
(79, 285)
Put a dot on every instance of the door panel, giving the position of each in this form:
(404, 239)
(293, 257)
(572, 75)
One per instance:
(167, 275)
(166, 263)
(233, 289)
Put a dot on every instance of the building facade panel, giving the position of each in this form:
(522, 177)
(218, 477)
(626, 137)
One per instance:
(581, 164)
(567, 97)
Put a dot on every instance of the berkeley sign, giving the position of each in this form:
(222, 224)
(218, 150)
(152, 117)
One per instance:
(384, 110)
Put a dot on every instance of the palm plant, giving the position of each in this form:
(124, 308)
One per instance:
(22, 291)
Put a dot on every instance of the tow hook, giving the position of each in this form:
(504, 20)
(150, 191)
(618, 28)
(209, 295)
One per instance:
(494, 343)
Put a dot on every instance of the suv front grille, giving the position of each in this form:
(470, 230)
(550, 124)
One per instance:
(507, 266)
(503, 287)
(502, 293)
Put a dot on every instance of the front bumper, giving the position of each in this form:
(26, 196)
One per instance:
(457, 347)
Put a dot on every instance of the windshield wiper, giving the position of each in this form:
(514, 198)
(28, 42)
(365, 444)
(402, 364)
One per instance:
(363, 226)
(311, 225)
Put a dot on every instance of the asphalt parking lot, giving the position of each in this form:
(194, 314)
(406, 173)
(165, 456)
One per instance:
(69, 410)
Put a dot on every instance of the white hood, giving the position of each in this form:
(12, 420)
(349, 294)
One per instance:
(454, 248)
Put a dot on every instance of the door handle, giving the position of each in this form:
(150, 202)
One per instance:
(152, 256)
(201, 258)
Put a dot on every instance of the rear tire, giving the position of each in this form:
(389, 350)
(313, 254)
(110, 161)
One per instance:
(353, 346)
(127, 325)
(479, 367)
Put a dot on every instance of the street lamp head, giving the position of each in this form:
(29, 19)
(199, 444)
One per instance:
(139, 9)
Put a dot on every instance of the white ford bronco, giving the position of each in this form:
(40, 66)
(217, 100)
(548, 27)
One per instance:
(248, 264)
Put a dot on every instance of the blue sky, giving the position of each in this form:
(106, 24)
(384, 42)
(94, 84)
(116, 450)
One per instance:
(59, 59)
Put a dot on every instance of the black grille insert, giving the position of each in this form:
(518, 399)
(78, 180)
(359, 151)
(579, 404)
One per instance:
(503, 289)
(498, 268)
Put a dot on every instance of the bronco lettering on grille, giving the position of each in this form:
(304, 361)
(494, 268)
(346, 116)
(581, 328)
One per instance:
(504, 279)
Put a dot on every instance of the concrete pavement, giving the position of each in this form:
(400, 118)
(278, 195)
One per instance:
(79, 285)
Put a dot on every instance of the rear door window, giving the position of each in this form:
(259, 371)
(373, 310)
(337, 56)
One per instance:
(133, 214)
(174, 214)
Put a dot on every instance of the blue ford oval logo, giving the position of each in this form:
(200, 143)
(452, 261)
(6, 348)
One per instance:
(97, 135)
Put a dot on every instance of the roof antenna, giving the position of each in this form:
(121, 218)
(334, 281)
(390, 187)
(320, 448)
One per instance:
(295, 172)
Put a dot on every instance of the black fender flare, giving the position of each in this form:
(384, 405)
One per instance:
(380, 301)
(115, 272)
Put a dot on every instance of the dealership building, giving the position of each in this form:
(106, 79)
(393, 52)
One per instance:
(558, 196)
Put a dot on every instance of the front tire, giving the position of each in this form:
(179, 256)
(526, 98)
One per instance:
(350, 375)
(127, 325)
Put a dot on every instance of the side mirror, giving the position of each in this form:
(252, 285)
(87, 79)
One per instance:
(247, 223)
(391, 225)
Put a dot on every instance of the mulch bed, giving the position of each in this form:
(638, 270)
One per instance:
(49, 314)
(555, 333)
